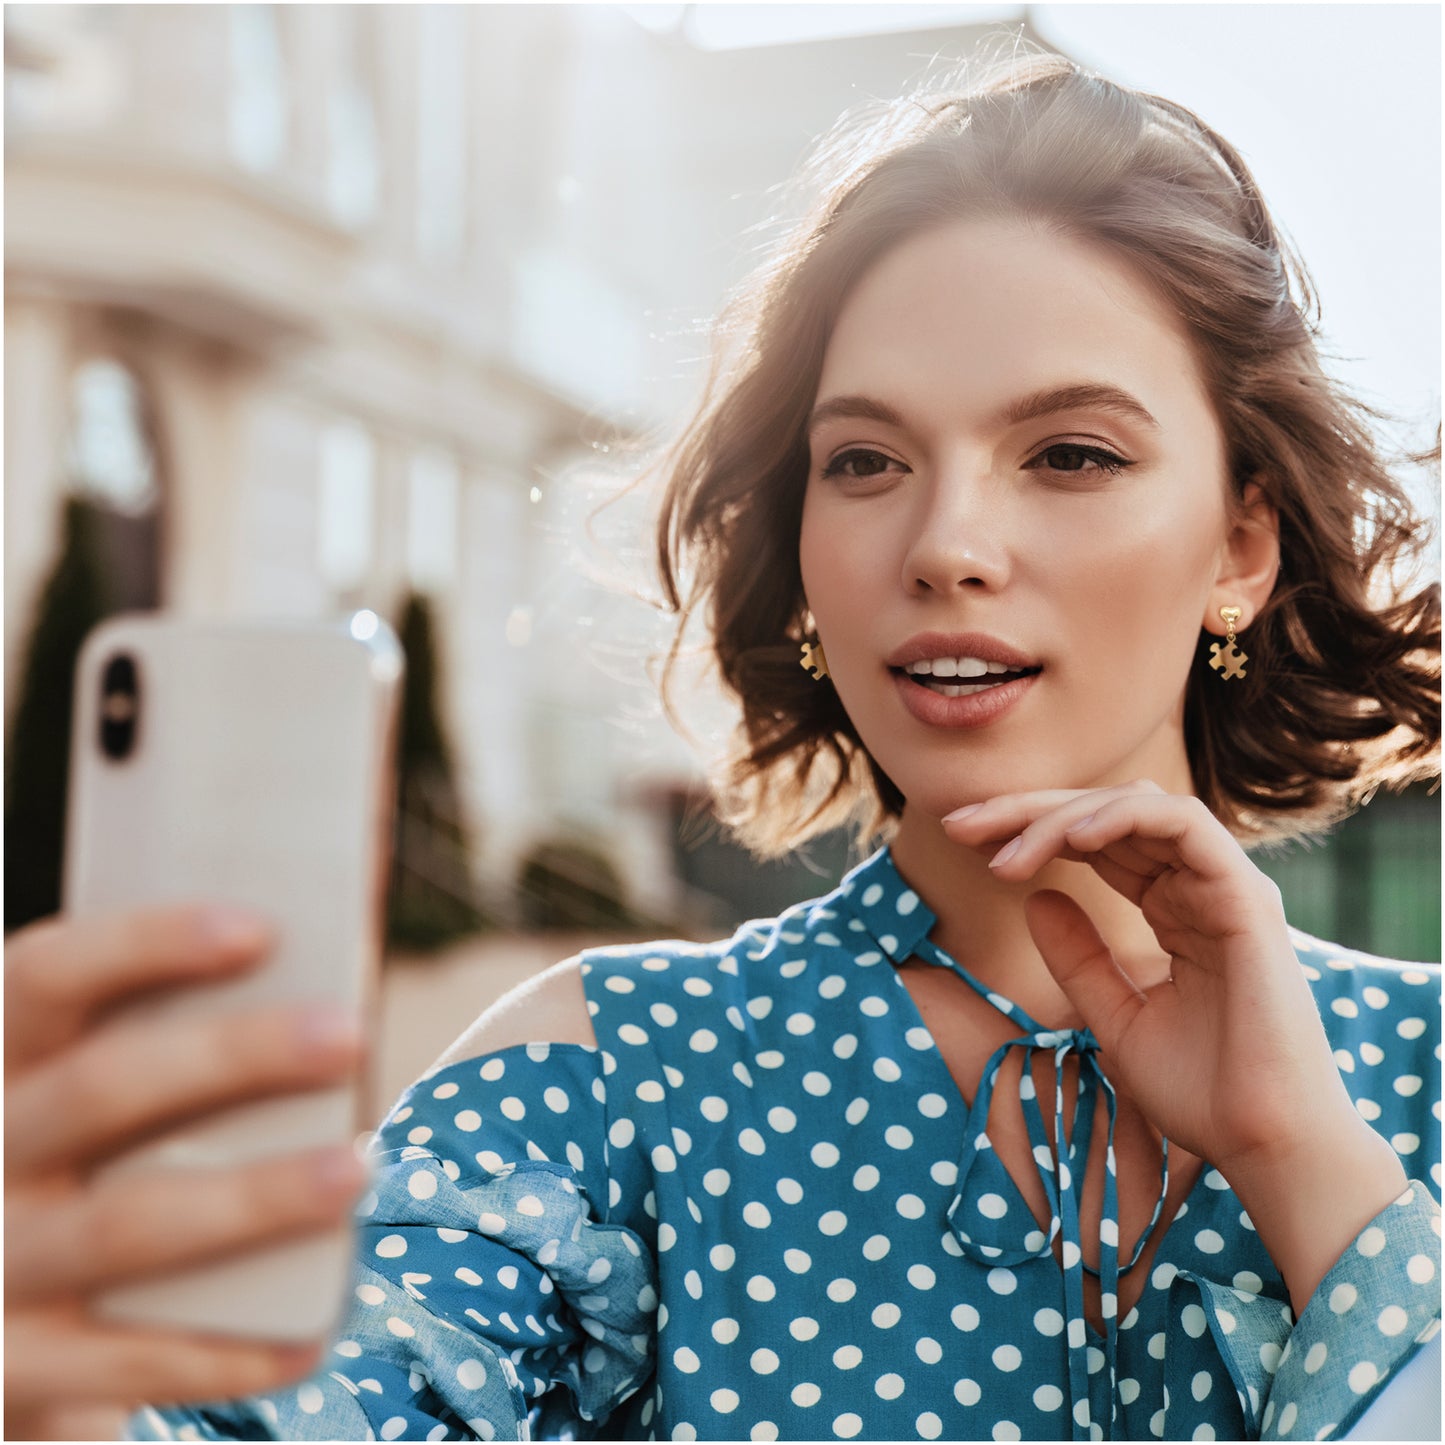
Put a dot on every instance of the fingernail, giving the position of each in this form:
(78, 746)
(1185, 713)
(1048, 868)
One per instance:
(1005, 853)
(339, 1170)
(1082, 823)
(960, 813)
(232, 928)
(297, 1359)
(328, 1029)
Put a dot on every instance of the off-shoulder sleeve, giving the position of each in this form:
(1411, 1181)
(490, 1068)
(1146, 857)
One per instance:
(500, 1290)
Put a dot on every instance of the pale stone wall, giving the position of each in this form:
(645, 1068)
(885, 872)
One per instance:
(590, 204)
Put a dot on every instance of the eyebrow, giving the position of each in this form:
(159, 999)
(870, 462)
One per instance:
(1081, 396)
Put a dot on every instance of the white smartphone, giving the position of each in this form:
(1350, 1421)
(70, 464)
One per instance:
(250, 764)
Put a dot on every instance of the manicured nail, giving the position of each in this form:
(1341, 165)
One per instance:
(1081, 824)
(232, 929)
(328, 1029)
(1005, 853)
(296, 1359)
(960, 813)
(339, 1170)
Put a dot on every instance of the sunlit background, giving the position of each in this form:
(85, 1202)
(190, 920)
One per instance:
(318, 307)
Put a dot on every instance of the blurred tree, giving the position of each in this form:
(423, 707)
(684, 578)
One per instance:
(77, 595)
(569, 883)
(1373, 882)
(433, 896)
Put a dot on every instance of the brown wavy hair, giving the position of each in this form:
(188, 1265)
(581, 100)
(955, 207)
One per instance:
(1344, 691)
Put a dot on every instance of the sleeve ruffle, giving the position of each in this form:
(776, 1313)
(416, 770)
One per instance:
(1312, 1379)
(477, 1302)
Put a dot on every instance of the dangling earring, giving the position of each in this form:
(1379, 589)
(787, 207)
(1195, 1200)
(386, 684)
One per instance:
(1228, 660)
(814, 660)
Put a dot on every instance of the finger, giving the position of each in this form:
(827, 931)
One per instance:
(1178, 831)
(1084, 966)
(1124, 877)
(55, 1356)
(1048, 842)
(1174, 831)
(141, 1224)
(60, 971)
(69, 1422)
(134, 1077)
(1123, 867)
(1010, 813)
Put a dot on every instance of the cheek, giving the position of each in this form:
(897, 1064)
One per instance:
(808, 543)
(1137, 590)
(1138, 551)
(827, 559)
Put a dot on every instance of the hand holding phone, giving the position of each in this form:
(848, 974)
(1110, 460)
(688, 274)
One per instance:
(83, 1081)
(183, 1083)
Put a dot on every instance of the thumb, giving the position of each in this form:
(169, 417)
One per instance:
(1083, 965)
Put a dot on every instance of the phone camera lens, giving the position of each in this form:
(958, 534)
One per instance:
(119, 706)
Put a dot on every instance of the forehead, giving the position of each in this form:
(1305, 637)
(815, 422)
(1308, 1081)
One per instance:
(972, 313)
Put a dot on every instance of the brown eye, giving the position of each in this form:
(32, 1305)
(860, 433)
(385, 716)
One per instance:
(858, 462)
(1068, 457)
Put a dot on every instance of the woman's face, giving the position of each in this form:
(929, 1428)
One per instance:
(1011, 440)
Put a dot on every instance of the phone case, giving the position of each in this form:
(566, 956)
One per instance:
(257, 771)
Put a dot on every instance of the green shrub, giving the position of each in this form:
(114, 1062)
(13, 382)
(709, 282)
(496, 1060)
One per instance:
(567, 883)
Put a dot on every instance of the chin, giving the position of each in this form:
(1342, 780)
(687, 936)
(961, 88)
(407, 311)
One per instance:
(955, 782)
(939, 796)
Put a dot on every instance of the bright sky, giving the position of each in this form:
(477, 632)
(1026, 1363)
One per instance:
(1336, 109)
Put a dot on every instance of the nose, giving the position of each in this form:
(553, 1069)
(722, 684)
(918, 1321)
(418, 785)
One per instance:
(958, 538)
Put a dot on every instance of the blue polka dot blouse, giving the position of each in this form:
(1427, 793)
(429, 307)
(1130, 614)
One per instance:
(760, 1209)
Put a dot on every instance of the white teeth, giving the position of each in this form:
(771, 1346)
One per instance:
(955, 667)
(963, 690)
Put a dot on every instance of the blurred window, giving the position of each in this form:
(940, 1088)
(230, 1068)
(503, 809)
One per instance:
(574, 328)
(441, 163)
(258, 110)
(345, 505)
(64, 67)
(353, 179)
(109, 456)
(431, 523)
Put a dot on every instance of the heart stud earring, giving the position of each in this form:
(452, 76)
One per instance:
(1228, 661)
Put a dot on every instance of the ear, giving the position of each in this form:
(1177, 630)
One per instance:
(1248, 561)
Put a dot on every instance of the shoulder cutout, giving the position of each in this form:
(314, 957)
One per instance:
(550, 1008)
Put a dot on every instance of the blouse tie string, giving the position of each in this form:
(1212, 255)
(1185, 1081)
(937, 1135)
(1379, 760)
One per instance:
(993, 1224)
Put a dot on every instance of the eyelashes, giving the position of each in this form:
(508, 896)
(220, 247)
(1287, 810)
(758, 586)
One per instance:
(870, 463)
(838, 466)
(1106, 461)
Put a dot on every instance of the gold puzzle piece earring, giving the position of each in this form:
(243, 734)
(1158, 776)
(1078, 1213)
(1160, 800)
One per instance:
(1228, 661)
(814, 660)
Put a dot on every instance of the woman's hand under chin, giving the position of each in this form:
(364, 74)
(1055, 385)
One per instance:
(1227, 1056)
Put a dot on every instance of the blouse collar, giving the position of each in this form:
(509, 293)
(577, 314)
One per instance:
(896, 918)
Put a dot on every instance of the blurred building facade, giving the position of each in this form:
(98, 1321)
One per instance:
(330, 303)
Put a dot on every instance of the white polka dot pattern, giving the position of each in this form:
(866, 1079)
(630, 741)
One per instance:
(761, 1210)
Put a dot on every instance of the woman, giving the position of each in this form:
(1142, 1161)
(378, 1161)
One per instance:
(1032, 1128)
